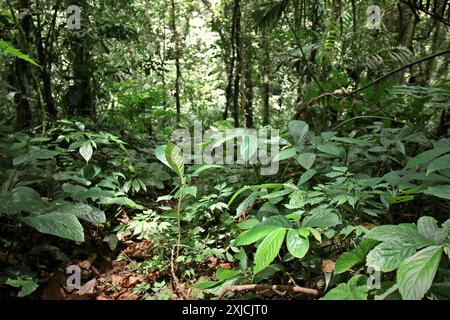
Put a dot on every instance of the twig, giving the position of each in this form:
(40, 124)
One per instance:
(278, 289)
(175, 281)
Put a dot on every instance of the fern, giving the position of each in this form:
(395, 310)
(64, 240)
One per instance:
(7, 49)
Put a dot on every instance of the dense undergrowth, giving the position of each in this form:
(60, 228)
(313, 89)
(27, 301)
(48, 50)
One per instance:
(335, 215)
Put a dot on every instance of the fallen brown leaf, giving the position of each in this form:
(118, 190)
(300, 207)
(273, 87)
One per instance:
(328, 266)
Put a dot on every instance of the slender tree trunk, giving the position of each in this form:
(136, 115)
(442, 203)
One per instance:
(177, 60)
(238, 71)
(44, 59)
(266, 79)
(80, 96)
(21, 70)
(248, 80)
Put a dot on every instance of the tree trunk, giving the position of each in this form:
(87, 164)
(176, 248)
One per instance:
(177, 59)
(265, 70)
(80, 97)
(238, 71)
(22, 73)
(248, 81)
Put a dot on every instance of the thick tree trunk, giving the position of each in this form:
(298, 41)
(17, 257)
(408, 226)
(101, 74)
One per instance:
(80, 97)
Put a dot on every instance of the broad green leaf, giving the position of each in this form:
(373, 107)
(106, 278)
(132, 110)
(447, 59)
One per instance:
(322, 219)
(308, 175)
(254, 235)
(357, 255)
(225, 274)
(86, 151)
(248, 224)
(442, 191)
(441, 163)
(388, 255)
(427, 156)
(348, 291)
(299, 130)
(33, 155)
(175, 158)
(285, 154)
(27, 287)
(428, 228)
(268, 249)
(306, 160)
(415, 275)
(23, 199)
(329, 149)
(160, 153)
(404, 233)
(57, 224)
(297, 245)
(279, 220)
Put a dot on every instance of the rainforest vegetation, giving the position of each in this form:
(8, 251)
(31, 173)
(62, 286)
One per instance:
(225, 149)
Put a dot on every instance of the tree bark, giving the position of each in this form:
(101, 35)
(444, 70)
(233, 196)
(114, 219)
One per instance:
(238, 71)
(177, 60)
(21, 70)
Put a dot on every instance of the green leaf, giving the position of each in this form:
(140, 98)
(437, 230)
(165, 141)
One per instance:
(224, 274)
(306, 160)
(388, 255)
(347, 291)
(254, 235)
(285, 154)
(404, 233)
(299, 130)
(204, 168)
(249, 147)
(329, 149)
(308, 175)
(297, 245)
(416, 274)
(160, 153)
(23, 199)
(268, 249)
(322, 219)
(248, 224)
(86, 151)
(357, 255)
(429, 229)
(84, 212)
(442, 191)
(57, 224)
(112, 241)
(441, 163)
(246, 205)
(207, 285)
(8, 49)
(27, 287)
(120, 201)
(426, 157)
(175, 158)
(33, 155)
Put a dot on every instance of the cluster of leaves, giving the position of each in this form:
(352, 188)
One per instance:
(297, 221)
